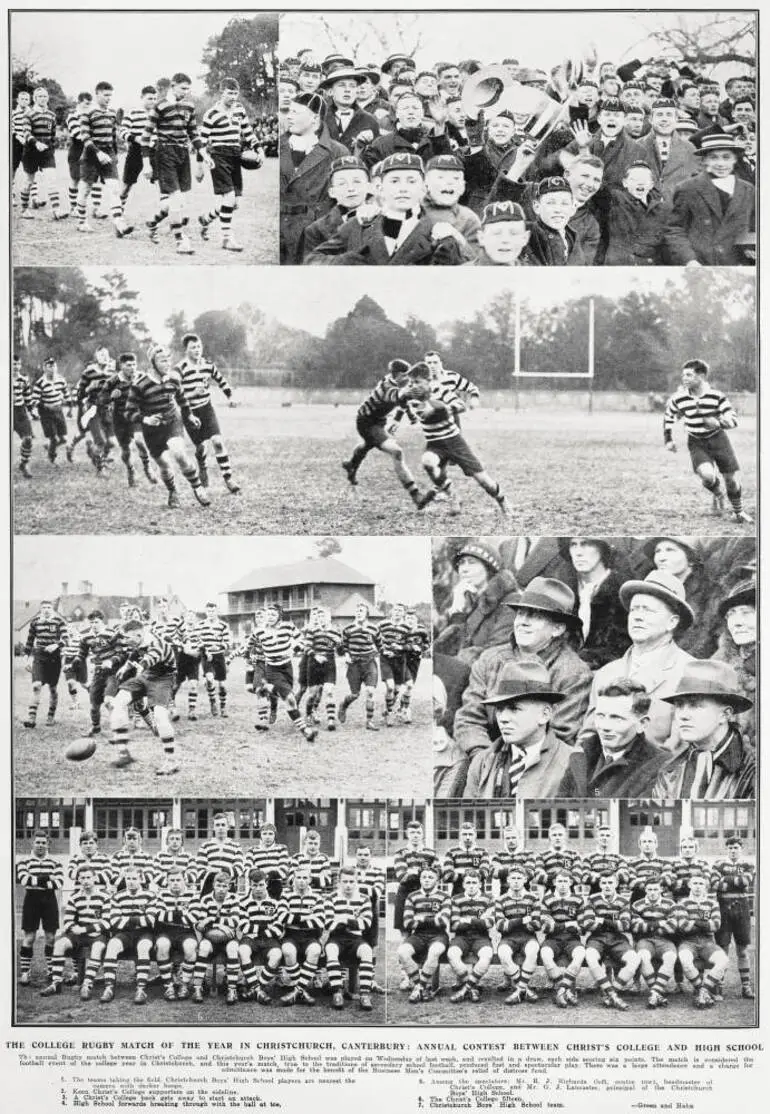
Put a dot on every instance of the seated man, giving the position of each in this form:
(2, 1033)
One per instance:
(654, 929)
(215, 916)
(129, 925)
(514, 920)
(607, 920)
(301, 914)
(697, 921)
(259, 938)
(174, 934)
(424, 935)
(470, 948)
(348, 917)
(84, 929)
(561, 913)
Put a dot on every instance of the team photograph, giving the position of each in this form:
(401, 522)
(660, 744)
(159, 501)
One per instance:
(176, 912)
(408, 409)
(144, 137)
(574, 912)
(199, 664)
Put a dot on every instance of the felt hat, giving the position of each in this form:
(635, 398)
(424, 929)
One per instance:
(711, 678)
(552, 597)
(742, 595)
(662, 586)
(521, 679)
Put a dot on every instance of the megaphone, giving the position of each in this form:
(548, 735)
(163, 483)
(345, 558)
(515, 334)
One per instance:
(484, 89)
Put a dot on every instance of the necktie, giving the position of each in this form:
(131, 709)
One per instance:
(664, 149)
(704, 768)
(509, 772)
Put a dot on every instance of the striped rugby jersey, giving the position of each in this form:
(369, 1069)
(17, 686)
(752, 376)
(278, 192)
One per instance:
(279, 642)
(512, 913)
(88, 911)
(648, 919)
(353, 914)
(22, 391)
(169, 910)
(682, 871)
(644, 869)
(731, 879)
(696, 918)
(438, 422)
(40, 874)
(215, 855)
(227, 127)
(100, 864)
(274, 861)
(323, 642)
(196, 382)
(156, 658)
(170, 628)
(99, 129)
(190, 641)
(384, 398)
(41, 126)
(173, 123)
(550, 861)
(165, 861)
(562, 914)
(458, 383)
(73, 131)
(113, 395)
(692, 411)
(106, 646)
(320, 869)
(422, 912)
(20, 124)
(207, 912)
(604, 862)
(213, 636)
(90, 385)
(140, 860)
(148, 396)
(459, 860)
(417, 640)
(259, 918)
(128, 910)
(503, 860)
(361, 640)
(371, 880)
(302, 912)
(51, 394)
(134, 125)
(603, 914)
(392, 637)
(46, 632)
(466, 914)
(253, 650)
(413, 859)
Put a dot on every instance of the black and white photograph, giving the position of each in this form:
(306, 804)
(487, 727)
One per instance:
(193, 664)
(582, 667)
(537, 139)
(573, 912)
(144, 137)
(210, 911)
(615, 403)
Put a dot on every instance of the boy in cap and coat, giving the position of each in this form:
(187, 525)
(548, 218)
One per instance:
(409, 135)
(552, 241)
(503, 236)
(349, 188)
(444, 186)
(346, 122)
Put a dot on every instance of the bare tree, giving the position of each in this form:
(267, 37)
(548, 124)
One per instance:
(364, 39)
(727, 37)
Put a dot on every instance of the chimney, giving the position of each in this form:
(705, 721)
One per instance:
(141, 589)
(85, 588)
(65, 587)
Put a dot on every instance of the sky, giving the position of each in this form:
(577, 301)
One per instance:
(128, 49)
(201, 567)
(443, 294)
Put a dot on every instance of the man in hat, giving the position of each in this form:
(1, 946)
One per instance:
(349, 188)
(399, 234)
(395, 64)
(371, 97)
(305, 156)
(503, 236)
(526, 759)
(616, 759)
(707, 415)
(444, 186)
(684, 558)
(544, 624)
(477, 614)
(711, 761)
(657, 611)
(713, 209)
(309, 77)
(738, 645)
(733, 879)
(346, 122)
(671, 157)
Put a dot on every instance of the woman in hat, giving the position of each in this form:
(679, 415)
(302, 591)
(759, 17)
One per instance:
(683, 557)
(712, 761)
(478, 616)
(603, 619)
(526, 759)
(738, 647)
(713, 209)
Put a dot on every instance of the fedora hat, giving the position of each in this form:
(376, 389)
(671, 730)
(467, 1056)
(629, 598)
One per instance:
(689, 545)
(528, 678)
(718, 141)
(553, 597)
(663, 586)
(742, 595)
(716, 679)
(341, 73)
(482, 551)
(607, 549)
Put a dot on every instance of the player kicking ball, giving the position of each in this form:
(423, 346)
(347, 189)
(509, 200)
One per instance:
(707, 415)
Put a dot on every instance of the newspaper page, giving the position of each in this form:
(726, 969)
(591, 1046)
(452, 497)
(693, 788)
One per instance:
(330, 784)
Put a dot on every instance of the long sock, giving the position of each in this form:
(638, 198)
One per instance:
(331, 711)
(296, 718)
(54, 199)
(168, 479)
(211, 692)
(142, 973)
(211, 216)
(25, 958)
(232, 970)
(116, 211)
(176, 228)
(222, 696)
(53, 704)
(191, 475)
(369, 709)
(166, 971)
(335, 974)
(144, 455)
(187, 972)
(72, 193)
(266, 977)
(168, 745)
(524, 977)
(358, 455)
(744, 972)
(92, 970)
(306, 974)
(96, 715)
(199, 973)
(406, 698)
(390, 699)
(25, 192)
(292, 972)
(410, 487)
(226, 219)
(110, 972)
(159, 217)
(736, 500)
(223, 460)
(34, 703)
(263, 712)
(365, 976)
(711, 982)
(96, 195)
(251, 976)
(192, 700)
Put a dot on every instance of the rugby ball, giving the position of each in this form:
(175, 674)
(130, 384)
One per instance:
(218, 936)
(251, 160)
(80, 749)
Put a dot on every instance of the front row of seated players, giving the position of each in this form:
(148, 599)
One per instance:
(647, 918)
(185, 912)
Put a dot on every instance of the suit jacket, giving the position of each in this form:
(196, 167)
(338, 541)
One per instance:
(662, 682)
(489, 623)
(482, 170)
(700, 230)
(636, 232)
(360, 121)
(539, 782)
(545, 247)
(682, 162)
(633, 775)
(543, 559)
(304, 196)
(393, 142)
(355, 244)
(734, 776)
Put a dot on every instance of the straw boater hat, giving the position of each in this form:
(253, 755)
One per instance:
(662, 586)
(742, 595)
(522, 679)
(718, 141)
(552, 597)
(689, 545)
(391, 60)
(716, 679)
(342, 73)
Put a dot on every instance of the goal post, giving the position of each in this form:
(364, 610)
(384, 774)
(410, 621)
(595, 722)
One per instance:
(588, 374)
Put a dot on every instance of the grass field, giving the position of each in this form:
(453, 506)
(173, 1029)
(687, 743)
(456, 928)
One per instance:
(733, 1012)
(224, 756)
(564, 471)
(67, 1009)
(42, 243)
